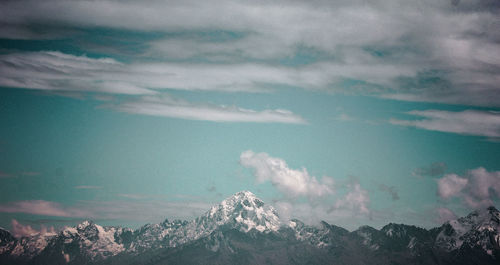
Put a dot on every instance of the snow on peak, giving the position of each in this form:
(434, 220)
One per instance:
(84, 225)
(246, 211)
(475, 228)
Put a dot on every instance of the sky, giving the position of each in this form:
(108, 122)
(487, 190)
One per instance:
(352, 112)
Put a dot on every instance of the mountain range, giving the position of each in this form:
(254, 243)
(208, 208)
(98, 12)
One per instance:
(243, 230)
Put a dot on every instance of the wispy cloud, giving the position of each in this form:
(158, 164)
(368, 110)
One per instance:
(87, 187)
(176, 108)
(41, 207)
(133, 196)
(467, 122)
(144, 210)
(56, 71)
(15, 175)
(6, 175)
(29, 173)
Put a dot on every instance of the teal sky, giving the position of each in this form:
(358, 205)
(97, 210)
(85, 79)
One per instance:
(364, 122)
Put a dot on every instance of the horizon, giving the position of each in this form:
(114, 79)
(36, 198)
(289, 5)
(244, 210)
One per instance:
(350, 112)
(283, 223)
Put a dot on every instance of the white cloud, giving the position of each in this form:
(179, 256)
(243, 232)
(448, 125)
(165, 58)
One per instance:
(290, 181)
(175, 108)
(477, 188)
(468, 122)
(445, 214)
(450, 185)
(356, 200)
(19, 230)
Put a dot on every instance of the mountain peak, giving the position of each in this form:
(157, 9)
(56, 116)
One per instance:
(246, 211)
(492, 209)
(475, 228)
(83, 225)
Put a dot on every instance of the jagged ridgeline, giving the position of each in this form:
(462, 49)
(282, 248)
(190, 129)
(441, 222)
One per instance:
(243, 230)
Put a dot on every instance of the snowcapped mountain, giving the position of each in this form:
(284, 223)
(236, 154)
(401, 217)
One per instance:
(242, 229)
(90, 241)
(325, 235)
(242, 211)
(478, 229)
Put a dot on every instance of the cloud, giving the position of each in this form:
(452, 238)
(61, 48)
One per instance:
(391, 190)
(133, 196)
(450, 185)
(467, 122)
(419, 51)
(4, 175)
(40, 207)
(29, 173)
(344, 117)
(356, 200)
(19, 230)
(59, 72)
(315, 213)
(56, 71)
(477, 188)
(144, 210)
(433, 170)
(445, 214)
(87, 187)
(290, 181)
(19, 174)
(64, 73)
(175, 108)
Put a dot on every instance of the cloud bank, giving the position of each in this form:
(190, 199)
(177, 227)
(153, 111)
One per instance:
(420, 51)
(477, 188)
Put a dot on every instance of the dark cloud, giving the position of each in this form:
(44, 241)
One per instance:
(433, 170)
(391, 190)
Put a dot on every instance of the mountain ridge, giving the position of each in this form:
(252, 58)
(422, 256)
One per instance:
(241, 223)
